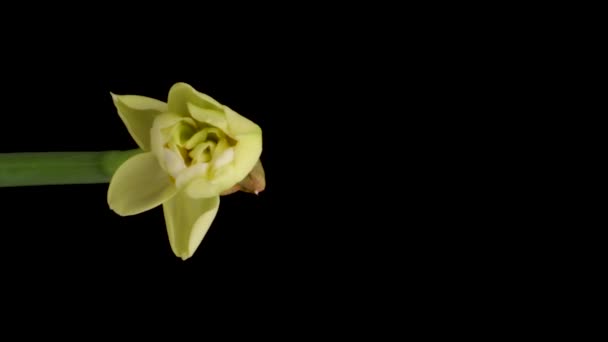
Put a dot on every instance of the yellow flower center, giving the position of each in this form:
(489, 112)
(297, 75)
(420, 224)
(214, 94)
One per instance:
(194, 149)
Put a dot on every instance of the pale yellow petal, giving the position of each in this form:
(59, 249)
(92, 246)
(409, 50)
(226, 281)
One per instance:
(247, 151)
(139, 184)
(245, 155)
(239, 125)
(208, 116)
(181, 93)
(159, 139)
(138, 114)
(203, 188)
(188, 220)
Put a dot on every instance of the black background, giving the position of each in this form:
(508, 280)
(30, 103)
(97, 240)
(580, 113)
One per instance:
(335, 227)
(386, 198)
(71, 110)
(366, 216)
(299, 233)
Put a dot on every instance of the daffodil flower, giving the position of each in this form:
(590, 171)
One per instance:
(195, 149)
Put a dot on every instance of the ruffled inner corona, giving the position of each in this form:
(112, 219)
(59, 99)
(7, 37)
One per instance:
(194, 149)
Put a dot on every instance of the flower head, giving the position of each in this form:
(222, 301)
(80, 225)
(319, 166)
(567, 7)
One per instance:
(195, 149)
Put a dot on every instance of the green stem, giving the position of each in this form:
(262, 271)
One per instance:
(54, 168)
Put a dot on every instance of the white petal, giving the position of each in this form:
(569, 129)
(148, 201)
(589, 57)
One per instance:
(225, 158)
(158, 139)
(174, 162)
(194, 171)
